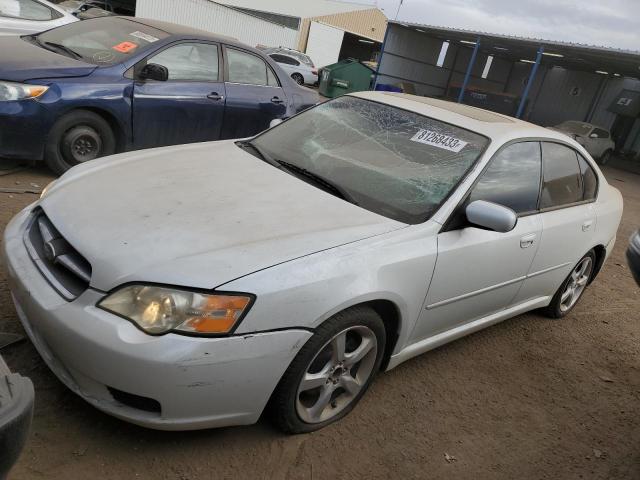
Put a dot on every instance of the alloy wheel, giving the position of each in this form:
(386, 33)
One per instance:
(337, 374)
(576, 284)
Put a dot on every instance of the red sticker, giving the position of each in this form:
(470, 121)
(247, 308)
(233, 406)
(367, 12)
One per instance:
(125, 47)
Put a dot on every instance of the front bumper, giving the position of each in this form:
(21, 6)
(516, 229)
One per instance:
(196, 382)
(24, 126)
(16, 410)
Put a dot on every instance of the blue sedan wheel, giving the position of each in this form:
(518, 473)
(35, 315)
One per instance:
(78, 137)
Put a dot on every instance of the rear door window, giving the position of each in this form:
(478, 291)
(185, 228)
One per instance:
(283, 59)
(246, 68)
(562, 178)
(512, 178)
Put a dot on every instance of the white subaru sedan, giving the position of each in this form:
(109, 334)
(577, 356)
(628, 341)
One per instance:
(194, 286)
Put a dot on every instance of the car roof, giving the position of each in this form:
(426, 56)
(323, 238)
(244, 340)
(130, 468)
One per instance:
(184, 31)
(490, 124)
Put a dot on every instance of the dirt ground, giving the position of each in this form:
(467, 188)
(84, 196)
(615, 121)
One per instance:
(529, 398)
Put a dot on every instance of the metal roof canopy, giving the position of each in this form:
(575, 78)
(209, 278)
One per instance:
(572, 56)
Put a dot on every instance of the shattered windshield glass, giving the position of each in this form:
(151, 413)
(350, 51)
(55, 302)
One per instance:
(390, 161)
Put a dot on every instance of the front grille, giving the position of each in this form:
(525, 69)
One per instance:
(68, 272)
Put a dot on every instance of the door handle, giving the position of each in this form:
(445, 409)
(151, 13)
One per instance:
(586, 226)
(215, 96)
(277, 100)
(527, 240)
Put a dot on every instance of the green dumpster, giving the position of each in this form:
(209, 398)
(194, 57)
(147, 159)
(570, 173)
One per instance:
(349, 75)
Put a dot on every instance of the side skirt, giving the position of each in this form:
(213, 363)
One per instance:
(430, 343)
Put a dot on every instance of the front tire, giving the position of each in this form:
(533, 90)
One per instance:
(78, 137)
(606, 156)
(572, 289)
(331, 372)
(299, 79)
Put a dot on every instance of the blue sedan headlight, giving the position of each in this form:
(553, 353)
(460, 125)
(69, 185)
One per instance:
(10, 91)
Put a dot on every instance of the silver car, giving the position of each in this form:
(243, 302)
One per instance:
(297, 65)
(193, 286)
(596, 140)
(24, 17)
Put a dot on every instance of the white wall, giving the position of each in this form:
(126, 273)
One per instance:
(216, 18)
(324, 44)
(302, 8)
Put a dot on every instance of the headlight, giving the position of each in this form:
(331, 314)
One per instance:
(20, 91)
(158, 310)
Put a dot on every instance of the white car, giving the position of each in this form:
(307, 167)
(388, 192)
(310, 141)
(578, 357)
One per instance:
(189, 287)
(596, 140)
(303, 73)
(24, 17)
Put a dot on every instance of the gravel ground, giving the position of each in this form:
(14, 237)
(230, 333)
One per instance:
(528, 398)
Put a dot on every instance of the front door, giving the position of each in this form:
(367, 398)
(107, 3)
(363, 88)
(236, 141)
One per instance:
(189, 106)
(254, 95)
(479, 272)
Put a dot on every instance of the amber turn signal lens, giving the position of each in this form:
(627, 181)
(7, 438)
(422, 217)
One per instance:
(219, 316)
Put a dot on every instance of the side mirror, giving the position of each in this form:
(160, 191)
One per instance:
(491, 216)
(153, 71)
(594, 135)
(275, 122)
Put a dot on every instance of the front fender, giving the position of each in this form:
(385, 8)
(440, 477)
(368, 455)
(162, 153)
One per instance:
(305, 292)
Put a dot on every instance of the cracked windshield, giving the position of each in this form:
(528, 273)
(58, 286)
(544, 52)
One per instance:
(390, 161)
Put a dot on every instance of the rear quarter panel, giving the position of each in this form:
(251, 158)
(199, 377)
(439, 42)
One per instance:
(609, 208)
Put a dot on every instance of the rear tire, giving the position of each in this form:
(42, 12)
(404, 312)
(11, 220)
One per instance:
(78, 137)
(299, 79)
(331, 372)
(572, 289)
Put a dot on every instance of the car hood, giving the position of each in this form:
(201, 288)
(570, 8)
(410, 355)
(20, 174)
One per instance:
(20, 61)
(198, 215)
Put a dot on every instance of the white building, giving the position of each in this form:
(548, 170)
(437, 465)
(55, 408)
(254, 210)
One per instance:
(327, 30)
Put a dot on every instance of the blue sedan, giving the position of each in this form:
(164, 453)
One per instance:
(109, 85)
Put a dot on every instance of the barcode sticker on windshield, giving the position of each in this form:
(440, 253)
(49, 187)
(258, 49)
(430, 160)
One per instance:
(144, 36)
(435, 139)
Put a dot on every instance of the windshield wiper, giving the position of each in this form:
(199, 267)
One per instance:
(59, 46)
(261, 154)
(319, 180)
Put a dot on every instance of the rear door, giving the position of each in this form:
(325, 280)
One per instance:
(254, 94)
(479, 272)
(568, 218)
(187, 108)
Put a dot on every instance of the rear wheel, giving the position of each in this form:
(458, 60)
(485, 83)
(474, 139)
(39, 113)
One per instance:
(331, 372)
(572, 288)
(76, 138)
(299, 79)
